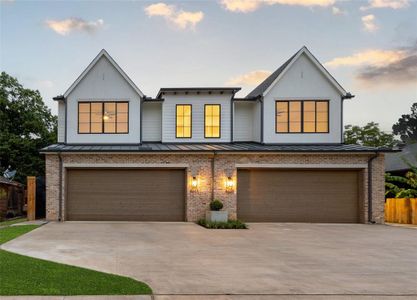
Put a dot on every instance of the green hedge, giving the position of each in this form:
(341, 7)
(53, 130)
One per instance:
(223, 225)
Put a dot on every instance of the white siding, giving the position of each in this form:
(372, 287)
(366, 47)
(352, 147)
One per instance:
(257, 122)
(243, 121)
(197, 101)
(152, 122)
(303, 81)
(103, 83)
(61, 122)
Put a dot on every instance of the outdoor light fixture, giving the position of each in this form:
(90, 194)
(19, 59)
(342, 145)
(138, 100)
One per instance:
(194, 184)
(229, 184)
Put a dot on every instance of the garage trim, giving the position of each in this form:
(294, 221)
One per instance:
(115, 165)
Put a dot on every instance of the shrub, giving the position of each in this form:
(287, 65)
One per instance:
(216, 205)
(235, 224)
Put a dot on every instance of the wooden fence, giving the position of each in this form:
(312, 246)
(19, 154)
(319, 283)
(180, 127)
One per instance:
(401, 210)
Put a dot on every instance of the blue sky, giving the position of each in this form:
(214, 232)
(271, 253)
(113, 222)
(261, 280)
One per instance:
(369, 46)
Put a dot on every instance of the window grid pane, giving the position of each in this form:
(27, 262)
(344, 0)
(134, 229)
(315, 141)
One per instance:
(183, 120)
(309, 116)
(103, 117)
(212, 121)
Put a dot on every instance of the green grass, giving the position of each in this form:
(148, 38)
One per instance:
(231, 224)
(10, 222)
(22, 275)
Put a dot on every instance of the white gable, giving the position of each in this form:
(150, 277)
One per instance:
(304, 54)
(105, 68)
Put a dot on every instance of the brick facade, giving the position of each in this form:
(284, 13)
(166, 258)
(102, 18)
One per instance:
(224, 165)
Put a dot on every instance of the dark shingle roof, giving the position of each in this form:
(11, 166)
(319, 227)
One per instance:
(211, 147)
(263, 86)
(397, 161)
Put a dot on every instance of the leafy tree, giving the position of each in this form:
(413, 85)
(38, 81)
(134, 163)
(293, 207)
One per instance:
(26, 125)
(368, 135)
(406, 126)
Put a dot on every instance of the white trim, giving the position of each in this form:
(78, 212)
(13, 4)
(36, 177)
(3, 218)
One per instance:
(114, 64)
(118, 165)
(303, 166)
(316, 63)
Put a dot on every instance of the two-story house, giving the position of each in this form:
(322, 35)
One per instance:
(276, 155)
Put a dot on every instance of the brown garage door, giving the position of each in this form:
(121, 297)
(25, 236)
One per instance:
(327, 196)
(125, 195)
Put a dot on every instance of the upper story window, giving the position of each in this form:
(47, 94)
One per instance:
(183, 121)
(103, 117)
(305, 116)
(212, 114)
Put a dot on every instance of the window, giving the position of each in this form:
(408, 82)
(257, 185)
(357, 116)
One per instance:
(103, 117)
(307, 116)
(183, 121)
(212, 121)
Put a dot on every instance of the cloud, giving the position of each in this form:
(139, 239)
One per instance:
(394, 4)
(368, 22)
(251, 78)
(396, 66)
(66, 26)
(180, 18)
(245, 6)
(337, 11)
(373, 57)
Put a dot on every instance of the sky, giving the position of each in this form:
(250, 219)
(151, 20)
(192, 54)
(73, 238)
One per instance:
(369, 46)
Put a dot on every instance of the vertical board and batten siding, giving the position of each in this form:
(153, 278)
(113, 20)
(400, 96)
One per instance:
(61, 121)
(243, 121)
(152, 122)
(257, 122)
(303, 81)
(197, 101)
(103, 83)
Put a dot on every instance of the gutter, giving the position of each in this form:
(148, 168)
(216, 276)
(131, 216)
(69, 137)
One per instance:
(370, 196)
(343, 97)
(60, 188)
(261, 99)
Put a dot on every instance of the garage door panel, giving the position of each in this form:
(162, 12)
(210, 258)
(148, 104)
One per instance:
(126, 195)
(298, 196)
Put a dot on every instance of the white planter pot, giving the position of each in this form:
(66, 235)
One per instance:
(217, 216)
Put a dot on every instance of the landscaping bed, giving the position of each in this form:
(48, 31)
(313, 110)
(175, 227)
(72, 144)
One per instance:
(235, 224)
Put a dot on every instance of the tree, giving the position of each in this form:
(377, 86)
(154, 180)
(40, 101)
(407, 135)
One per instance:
(26, 125)
(368, 135)
(402, 186)
(406, 126)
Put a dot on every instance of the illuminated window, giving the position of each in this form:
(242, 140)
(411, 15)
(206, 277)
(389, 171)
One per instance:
(103, 117)
(212, 121)
(183, 121)
(306, 116)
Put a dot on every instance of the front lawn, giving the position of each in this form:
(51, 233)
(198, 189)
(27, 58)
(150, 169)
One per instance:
(12, 221)
(23, 275)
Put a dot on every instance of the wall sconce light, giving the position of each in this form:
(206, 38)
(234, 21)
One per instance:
(194, 184)
(229, 184)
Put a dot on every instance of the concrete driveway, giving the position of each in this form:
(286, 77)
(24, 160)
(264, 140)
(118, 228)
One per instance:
(184, 258)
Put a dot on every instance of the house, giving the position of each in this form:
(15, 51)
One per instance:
(399, 163)
(276, 155)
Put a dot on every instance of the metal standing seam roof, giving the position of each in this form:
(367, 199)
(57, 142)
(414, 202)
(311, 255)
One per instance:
(212, 147)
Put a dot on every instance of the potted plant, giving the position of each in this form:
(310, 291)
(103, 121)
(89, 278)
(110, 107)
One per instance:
(216, 214)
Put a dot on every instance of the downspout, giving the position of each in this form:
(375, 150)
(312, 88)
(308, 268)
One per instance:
(141, 120)
(212, 176)
(370, 197)
(60, 188)
(261, 99)
(232, 106)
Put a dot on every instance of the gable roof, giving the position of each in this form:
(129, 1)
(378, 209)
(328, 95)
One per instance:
(113, 63)
(264, 87)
